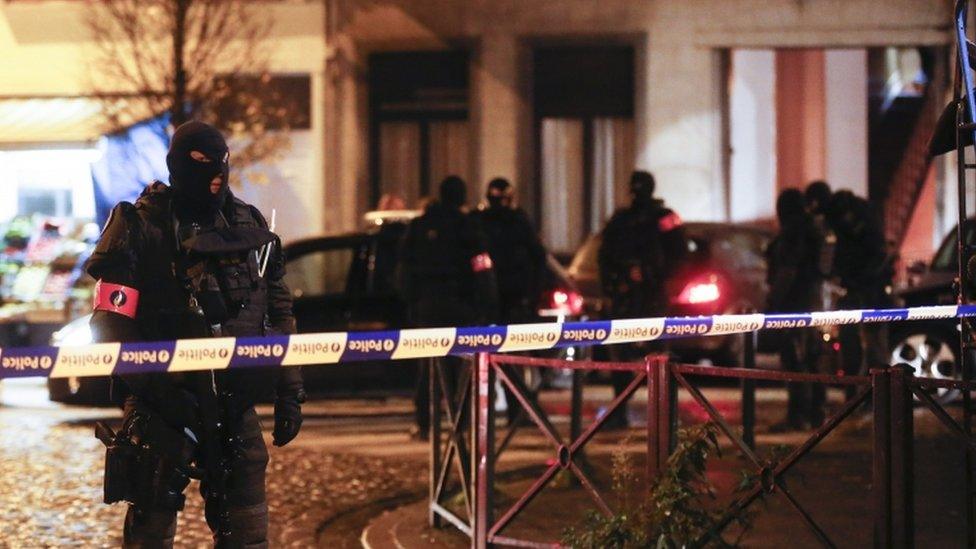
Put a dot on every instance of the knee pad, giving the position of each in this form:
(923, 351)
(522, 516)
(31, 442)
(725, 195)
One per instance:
(246, 528)
(148, 528)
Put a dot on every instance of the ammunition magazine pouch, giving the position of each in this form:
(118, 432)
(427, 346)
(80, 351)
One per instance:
(147, 463)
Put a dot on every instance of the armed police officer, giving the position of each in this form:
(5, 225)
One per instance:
(517, 252)
(447, 276)
(794, 281)
(190, 260)
(864, 266)
(519, 258)
(642, 246)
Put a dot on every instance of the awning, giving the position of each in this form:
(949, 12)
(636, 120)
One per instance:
(49, 121)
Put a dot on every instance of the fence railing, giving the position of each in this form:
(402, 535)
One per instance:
(891, 393)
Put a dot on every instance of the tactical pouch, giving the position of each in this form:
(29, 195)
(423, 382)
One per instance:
(117, 482)
(145, 464)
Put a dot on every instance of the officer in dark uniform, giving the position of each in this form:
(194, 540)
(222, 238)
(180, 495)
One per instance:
(447, 276)
(865, 268)
(794, 286)
(642, 246)
(516, 250)
(520, 261)
(189, 260)
(817, 196)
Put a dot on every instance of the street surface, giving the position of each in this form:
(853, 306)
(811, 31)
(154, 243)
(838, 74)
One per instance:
(51, 481)
(354, 460)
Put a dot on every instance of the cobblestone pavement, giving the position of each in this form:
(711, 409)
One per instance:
(50, 485)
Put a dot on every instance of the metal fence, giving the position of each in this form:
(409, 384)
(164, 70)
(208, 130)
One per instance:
(891, 393)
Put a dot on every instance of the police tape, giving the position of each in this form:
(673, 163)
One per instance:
(184, 355)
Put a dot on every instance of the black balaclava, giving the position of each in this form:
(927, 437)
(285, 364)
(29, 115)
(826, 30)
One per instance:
(197, 155)
(641, 188)
(840, 210)
(499, 194)
(454, 192)
(790, 207)
(817, 197)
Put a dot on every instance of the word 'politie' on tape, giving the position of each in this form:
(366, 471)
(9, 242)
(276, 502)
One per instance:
(102, 359)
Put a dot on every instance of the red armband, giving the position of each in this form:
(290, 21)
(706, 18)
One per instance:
(116, 298)
(481, 262)
(669, 222)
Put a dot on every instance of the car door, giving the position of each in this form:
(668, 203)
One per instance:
(318, 273)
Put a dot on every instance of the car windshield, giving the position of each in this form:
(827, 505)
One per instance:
(733, 247)
(737, 248)
(947, 258)
(320, 272)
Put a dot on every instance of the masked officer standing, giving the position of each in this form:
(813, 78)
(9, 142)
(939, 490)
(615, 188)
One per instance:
(519, 258)
(190, 260)
(642, 246)
(794, 286)
(817, 197)
(447, 276)
(865, 269)
(517, 252)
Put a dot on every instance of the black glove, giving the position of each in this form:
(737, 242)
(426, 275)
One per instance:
(288, 418)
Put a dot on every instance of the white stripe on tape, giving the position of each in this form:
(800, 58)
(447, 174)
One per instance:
(938, 311)
(91, 360)
(527, 337)
(306, 349)
(425, 342)
(736, 324)
(828, 318)
(635, 329)
(202, 354)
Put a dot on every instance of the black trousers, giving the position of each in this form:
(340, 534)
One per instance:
(800, 352)
(244, 523)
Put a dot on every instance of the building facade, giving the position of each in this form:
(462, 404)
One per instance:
(563, 97)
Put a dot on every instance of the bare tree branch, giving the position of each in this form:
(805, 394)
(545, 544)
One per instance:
(225, 63)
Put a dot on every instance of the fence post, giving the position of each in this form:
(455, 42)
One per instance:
(659, 422)
(576, 405)
(749, 390)
(902, 457)
(482, 456)
(881, 469)
(435, 438)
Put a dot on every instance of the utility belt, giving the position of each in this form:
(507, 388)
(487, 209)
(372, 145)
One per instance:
(147, 463)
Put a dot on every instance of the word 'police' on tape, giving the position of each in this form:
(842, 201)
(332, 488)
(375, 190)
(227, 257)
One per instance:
(102, 359)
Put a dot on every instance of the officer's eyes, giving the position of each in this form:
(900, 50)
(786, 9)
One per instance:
(199, 156)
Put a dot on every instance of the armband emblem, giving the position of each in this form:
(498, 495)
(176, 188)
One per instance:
(481, 262)
(669, 222)
(116, 298)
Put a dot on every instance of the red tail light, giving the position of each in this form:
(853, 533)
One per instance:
(566, 302)
(702, 289)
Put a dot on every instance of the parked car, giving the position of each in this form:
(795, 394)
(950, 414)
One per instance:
(931, 347)
(341, 282)
(724, 273)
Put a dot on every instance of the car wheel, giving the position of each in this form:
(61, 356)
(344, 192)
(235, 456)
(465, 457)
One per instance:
(930, 354)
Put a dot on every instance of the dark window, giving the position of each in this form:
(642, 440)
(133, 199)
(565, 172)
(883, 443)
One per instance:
(584, 81)
(585, 141)
(286, 100)
(419, 131)
(419, 84)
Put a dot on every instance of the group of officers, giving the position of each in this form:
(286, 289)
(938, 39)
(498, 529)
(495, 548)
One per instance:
(487, 266)
(830, 253)
(190, 260)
